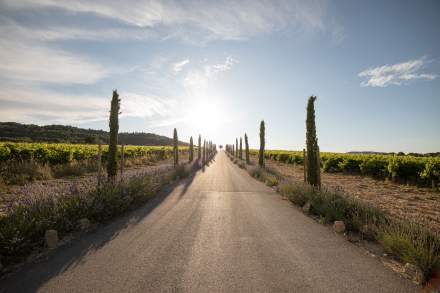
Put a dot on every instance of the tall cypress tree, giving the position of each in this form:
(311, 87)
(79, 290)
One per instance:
(191, 149)
(199, 149)
(175, 148)
(236, 147)
(112, 164)
(241, 150)
(262, 144)
(204, 152)
(246, 144)
(312, 145)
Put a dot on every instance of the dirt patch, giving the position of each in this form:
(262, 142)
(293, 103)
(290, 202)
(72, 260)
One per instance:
(11, 196)
(421, 205)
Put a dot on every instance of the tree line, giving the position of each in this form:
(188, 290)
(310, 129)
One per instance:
(312, 170)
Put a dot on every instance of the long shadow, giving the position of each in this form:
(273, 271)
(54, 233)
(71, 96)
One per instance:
(31, 276)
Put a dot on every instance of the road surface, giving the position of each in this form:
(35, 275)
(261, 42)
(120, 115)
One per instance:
(220, 231)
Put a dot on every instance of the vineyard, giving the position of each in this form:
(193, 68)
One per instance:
(409, 169)
(53, 153)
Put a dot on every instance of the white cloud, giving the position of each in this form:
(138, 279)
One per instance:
(395, 74)
(36, 105)
(179, 65)
(230, 20)
(136, 105)
(197, 80)
(33, 62)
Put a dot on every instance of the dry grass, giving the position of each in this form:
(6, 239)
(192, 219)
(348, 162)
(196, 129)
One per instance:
(420, 205)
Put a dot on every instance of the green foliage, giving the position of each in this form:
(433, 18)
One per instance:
(417, 169)
(191, 149)
(22, 229)
(199, 149)
(175, 148)
(413, 244)
(112, 164)
(296, 193)
(374, 167)
(312, 145)
(236, 148)
(332, 165)
(246, 148)
(241, 150)
(20, 172)
(16, 132)
(408, 241)
(262, 144)
(350, 165)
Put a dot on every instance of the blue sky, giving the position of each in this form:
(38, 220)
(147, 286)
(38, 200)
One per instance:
(219, 67)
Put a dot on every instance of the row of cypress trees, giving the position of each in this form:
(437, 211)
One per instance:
(204, 153)
(312, 170)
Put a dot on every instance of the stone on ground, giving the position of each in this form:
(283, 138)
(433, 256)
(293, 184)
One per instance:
(51, 237)
(339, 226)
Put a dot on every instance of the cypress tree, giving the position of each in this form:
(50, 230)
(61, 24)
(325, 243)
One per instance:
(191, 149)
(241, 150)
(236, 147)
(246, 144)
(175, 148)
(204, 152)
(112, 163)
(262, 144)
(199, 149)
(313, 170)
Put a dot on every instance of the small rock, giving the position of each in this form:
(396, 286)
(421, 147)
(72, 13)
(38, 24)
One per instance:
(51, 237)
(414, 272)
(306, 207)
(339, 226)
(84, 224)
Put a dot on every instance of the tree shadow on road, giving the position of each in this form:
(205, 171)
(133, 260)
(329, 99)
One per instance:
(30, 277)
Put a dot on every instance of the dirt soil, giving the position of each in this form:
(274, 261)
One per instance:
(13, 195)
(421, 205)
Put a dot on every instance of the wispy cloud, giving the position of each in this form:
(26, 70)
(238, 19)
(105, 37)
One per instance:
(25, 105)
(228, 20)
(32, 62)
(198, 79)
(396, 74)
(179, 65)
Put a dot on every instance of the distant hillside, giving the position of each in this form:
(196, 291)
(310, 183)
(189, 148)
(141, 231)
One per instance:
(11, 131)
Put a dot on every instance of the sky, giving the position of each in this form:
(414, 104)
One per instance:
(217, 68)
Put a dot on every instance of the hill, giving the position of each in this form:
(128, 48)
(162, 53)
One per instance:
(11, 131)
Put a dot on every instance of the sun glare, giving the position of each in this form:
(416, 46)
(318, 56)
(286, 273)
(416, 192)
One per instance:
(206, 117)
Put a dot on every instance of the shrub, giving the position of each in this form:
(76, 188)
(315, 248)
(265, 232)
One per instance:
(350, 165)
(296, 193)
(23, 171)
(22, 229)
(332, 165)
(374, 167)
(413, 244)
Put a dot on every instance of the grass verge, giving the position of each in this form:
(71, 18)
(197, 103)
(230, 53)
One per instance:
(406, 241)
(22, 229)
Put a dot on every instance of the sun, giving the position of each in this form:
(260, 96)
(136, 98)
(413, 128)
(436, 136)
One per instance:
(206, 117)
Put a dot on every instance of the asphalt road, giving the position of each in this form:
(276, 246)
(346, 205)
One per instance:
(220, 231)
